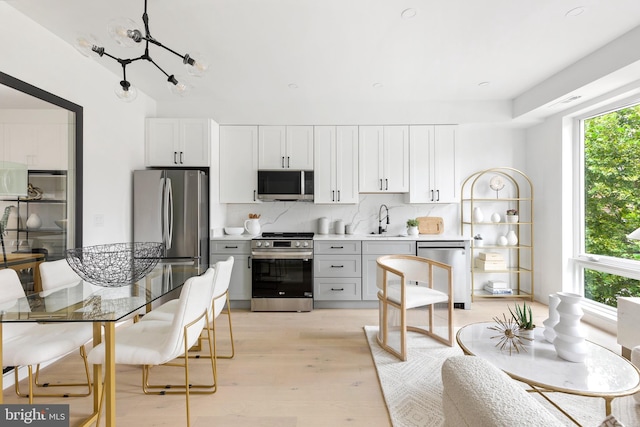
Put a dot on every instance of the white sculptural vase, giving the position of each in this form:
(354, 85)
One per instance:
(34, 222)
(570, 335)
(477, 215)
(552, 320)
(512, 239)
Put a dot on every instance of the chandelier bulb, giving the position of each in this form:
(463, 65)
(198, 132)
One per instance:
(196, 64)
(87, 45)
(124, 31)
(178, 86)
(126, 92)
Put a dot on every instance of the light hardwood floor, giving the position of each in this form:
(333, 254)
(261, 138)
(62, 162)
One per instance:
(291, 369)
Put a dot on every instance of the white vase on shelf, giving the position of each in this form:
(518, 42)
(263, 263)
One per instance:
(502, 241)
(570, 335)
(495, 217)
(552, 320)
(512, 239)
(34, 222)
(477, 215)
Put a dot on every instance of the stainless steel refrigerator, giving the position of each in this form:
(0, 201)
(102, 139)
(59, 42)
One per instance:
(172, 206)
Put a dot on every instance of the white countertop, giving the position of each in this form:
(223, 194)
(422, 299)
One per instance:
(370, 237)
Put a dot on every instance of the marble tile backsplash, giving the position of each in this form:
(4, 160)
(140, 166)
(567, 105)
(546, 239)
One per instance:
(303, 216)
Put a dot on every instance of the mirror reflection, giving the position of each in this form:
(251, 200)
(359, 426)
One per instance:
(39, 223)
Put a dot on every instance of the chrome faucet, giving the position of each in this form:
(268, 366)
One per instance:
(380, 230)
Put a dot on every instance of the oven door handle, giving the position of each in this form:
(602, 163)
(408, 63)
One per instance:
(282, 255)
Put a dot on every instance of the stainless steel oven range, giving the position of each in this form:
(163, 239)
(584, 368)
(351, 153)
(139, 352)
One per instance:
(282, 272)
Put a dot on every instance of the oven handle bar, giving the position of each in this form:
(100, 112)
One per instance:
(282, 255)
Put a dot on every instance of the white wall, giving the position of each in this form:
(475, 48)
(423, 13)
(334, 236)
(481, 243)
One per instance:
(113, 131)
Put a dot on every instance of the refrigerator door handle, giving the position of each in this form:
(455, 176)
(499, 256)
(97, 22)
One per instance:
(169, 215)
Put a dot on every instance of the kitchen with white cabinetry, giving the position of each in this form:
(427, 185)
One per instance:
(178, 142)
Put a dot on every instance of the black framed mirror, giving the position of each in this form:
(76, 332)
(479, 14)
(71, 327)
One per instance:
(75, 167)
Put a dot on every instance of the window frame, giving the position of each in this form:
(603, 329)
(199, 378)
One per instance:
(582, 260)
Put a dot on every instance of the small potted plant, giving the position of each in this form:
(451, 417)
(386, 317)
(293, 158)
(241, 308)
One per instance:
(478, 241)
(412, 227)
(512, 215)
(524, 318)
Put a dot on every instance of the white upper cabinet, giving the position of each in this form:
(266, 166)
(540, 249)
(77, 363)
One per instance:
(238, 164)
(336, 164)
(285, 147)
(384, 159)
(432, 164)
(178, 142)
(40, 146)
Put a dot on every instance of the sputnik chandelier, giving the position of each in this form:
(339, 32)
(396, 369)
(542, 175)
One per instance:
(126, 33)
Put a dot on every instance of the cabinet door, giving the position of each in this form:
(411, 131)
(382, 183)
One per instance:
(299, 147)
(272, 147)
(395, 170)
(421, 189)
(195, 142)
(370, 156)
(444, 164)
(346, 164)
(39, 146)
(161, 137)
(240, 284)
(238, 164)
(324, 164)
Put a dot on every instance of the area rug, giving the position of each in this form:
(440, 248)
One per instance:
(412, 390)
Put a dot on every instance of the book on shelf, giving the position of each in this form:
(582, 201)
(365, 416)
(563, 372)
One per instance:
(495, 291)
(490, 265)
(497, 284)
(490, 256)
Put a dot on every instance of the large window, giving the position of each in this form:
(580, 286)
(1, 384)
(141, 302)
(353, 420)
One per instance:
(611, 185)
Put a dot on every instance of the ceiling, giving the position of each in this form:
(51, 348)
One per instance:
(314, 60)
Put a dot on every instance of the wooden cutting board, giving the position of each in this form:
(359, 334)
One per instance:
(430, 225)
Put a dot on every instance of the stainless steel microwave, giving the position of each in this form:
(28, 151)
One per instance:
(285, 185)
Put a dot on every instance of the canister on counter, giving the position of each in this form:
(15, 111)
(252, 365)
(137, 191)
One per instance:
(338, 227)
(323, 225)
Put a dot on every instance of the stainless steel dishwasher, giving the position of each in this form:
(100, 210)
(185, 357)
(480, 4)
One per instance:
(455, 253)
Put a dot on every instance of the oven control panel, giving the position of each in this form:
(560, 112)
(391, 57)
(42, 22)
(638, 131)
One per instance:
(282, 244)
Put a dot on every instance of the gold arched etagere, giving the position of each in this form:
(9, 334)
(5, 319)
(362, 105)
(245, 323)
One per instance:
(490, 193)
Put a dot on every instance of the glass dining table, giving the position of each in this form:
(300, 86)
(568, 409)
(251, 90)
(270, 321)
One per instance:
(104, 307)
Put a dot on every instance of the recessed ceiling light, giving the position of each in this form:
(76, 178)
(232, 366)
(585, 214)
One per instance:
(408, 13)
(575, 11)
(377, 85)
(484, 83)
(293, 86)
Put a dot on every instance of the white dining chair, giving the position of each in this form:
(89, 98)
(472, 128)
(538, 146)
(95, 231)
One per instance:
(220, 300)
(29, 344)
(408, 282)
(154, 343)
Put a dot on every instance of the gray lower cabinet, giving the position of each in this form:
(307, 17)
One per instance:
(371, 251)
(337, 269)
(240, 285)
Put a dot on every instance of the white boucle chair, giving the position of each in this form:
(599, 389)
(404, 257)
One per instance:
(223, 270)
(154, 343)
(28, 344)
(432, 287)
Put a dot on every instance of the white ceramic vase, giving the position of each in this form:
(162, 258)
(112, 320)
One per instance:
(412, 231)
(252, 226)
(477, 215)
(552, 320)
(495, 217)
(34, 222)
(570, 335)
(512, 239)
(502, 241)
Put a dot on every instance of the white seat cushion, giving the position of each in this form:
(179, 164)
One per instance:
(416, 296)
(40, 343)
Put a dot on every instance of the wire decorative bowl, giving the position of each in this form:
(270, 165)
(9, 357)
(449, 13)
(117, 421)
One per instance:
(114, 264)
